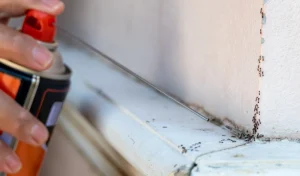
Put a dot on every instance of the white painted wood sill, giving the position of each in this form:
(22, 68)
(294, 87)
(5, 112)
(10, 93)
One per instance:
(152, 134)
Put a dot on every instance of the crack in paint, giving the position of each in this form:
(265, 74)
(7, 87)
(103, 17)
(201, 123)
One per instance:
(195, 165)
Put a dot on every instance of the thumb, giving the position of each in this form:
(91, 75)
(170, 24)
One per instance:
(12, 8)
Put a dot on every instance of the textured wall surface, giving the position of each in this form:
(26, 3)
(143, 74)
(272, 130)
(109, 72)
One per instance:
(204, 52)
(280, 86)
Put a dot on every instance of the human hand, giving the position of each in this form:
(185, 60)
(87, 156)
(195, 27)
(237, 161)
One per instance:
(23, 50)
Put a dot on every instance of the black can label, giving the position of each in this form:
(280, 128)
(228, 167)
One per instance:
(48, 98)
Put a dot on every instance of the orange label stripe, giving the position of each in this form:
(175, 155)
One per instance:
(9, 85)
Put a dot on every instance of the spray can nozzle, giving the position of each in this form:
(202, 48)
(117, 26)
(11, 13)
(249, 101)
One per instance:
(40, 26)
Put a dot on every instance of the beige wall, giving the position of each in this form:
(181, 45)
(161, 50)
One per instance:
(281, 85)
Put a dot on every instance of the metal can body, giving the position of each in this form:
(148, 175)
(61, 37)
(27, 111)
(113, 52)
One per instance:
(42, 94)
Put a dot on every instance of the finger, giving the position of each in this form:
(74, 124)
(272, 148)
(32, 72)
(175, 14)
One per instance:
(10, 8)
(9, 161)
(4, 20)
(19, 123)
(23, 50)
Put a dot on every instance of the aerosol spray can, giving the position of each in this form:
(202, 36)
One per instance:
(41, 93)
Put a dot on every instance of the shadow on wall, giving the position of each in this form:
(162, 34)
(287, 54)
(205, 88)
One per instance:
(169, 70)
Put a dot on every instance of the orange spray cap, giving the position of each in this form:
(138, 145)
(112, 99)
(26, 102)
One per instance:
(40, 26)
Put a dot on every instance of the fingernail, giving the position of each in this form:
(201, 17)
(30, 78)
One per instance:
(53, 3)
(42, 56)
(12, 164)
(39, 134)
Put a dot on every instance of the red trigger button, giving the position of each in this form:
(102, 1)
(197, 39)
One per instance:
(40, 26)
